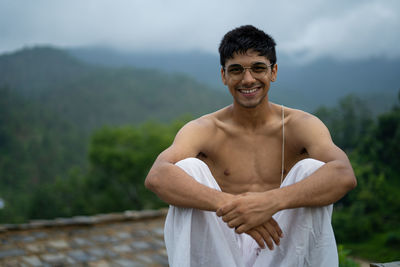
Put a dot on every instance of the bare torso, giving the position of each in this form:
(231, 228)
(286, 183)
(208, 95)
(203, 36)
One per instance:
(242, 145)
(243, 160)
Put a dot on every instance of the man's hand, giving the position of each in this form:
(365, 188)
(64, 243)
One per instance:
(266, 233)
(251, 213)
(249, 210)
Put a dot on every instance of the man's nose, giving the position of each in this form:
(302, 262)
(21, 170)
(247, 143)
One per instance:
(248, 77)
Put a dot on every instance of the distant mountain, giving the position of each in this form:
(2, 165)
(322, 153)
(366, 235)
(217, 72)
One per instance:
(51, 102)
(204, 67)
(305, 86)
(33, 71)
(90, 96)
(129, 88)
(325, 81)
(36, 145)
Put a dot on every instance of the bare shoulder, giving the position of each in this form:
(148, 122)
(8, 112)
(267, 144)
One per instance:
(193, 138)
(204, 126)
(306, 129)
(310, 133)
(298, 120)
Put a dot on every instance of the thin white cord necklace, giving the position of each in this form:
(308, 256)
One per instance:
(283, 143)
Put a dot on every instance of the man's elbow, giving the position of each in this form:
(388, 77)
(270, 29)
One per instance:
(151, 182)
(349, 181)
(148, 183)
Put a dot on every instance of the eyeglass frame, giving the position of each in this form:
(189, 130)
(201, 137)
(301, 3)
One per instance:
(244, 69)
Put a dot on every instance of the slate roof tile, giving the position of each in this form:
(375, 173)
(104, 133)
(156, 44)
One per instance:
(131, 238)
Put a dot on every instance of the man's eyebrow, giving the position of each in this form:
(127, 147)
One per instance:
(252, 63)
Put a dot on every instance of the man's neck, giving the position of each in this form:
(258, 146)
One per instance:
(252, 118)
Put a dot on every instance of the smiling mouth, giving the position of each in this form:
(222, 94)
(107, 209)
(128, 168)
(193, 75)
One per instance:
(248, 91)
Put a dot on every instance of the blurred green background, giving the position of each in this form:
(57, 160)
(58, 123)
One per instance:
(78, 139)
(89, 99)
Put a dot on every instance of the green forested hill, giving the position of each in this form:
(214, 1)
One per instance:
(50, 103)
(306, 85)
(36, 146)
(90, 96)
(57, 159)
(34, 71)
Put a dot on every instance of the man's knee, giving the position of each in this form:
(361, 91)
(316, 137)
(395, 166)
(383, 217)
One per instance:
(191, 166)
(309, 164)
(199, 171)
(301, 170)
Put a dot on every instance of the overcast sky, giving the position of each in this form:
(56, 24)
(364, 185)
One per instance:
(308, 29)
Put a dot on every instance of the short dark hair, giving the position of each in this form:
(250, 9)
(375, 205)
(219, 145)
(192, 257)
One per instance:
(244, 38)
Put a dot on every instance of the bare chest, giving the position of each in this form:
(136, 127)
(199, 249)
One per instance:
(245, 164)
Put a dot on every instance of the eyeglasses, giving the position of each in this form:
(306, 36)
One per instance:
(258, 70)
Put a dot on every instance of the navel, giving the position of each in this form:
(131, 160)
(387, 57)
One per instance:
(226, 172)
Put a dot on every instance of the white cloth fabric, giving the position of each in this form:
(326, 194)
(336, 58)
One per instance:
(200, 238)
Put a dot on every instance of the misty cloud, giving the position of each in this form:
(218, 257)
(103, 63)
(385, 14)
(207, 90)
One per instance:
(307, 29)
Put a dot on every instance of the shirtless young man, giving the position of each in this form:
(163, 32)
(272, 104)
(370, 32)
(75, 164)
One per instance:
(248, 149)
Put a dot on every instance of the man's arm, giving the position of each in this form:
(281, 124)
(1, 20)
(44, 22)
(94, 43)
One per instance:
(330, 182)
(175, 186)
(325, 186)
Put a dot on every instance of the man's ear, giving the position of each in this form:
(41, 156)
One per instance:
(274, 72)
(223, 75)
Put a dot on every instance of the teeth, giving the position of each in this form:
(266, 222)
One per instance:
(248, 91)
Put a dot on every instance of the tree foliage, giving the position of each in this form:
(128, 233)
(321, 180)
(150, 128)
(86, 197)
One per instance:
(52, 164)
(35, 148)
(348, 122)
(119, 160)
(50, 104)
(373, 208)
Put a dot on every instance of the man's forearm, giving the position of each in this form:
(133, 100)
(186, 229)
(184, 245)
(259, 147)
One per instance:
(325, 186)
(174, 186)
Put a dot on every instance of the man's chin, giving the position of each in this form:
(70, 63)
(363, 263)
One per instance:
(250, 105)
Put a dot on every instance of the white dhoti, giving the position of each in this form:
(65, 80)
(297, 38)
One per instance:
(201, 238)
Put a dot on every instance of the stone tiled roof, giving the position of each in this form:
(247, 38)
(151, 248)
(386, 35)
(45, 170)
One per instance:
(132, 238)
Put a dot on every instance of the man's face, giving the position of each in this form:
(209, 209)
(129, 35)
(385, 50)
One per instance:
(251, 88)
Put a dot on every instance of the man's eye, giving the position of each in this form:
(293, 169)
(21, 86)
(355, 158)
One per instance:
(259, 68)
(235, 70)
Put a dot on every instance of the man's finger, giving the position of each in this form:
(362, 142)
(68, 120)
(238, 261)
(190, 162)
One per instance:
(243, 228)
(228, 217)
(272, 233)
(235, 223)
(225, 209)
(257, 237)
(277, 227)
(266, 237)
